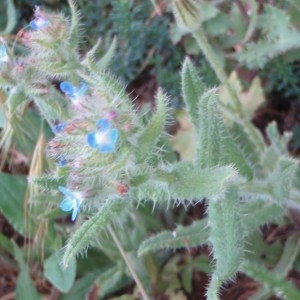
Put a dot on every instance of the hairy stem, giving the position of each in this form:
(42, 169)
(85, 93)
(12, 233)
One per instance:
(213, 289)
(202, 41)
(129, 266)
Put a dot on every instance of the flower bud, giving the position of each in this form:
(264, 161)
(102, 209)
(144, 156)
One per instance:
(187, 14)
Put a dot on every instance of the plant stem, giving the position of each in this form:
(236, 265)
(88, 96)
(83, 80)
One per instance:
(210, 55)
(129, 266)
(213, 288)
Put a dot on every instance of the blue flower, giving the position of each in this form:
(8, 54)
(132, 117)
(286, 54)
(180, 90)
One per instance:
(62, 162)
(3, 54)
(72, 201)
(105, 138)
(73, 92)
(38, 23)
(59, 127)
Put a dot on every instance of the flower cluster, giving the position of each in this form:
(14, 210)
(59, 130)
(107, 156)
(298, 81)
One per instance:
(104, 139)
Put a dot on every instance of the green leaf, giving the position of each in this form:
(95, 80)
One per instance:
(278, 36)
(258, 212)
(74, 32)
(244, 140)
(283, 267)
(12, 191)
(11, 18)
(89, 230)
(113, 280)
(15, 98)
(273, 281)
(62, 279)
(25, 288)
(281, 179)
(275, 138)
(6, 243)
(208, 11)
(193, 235)
(192, 89)
(215, 145)
(108, 56)
(81, 287)
(217, 25)
(147, 141)
(226, 234)
(193, 183)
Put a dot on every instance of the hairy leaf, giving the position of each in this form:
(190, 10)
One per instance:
(193, 235)
(192, 183)
(192, 89)
(147, 141)
(273, 281)
(215, 144)
(89, 230)
(226, 234)
(279, 36)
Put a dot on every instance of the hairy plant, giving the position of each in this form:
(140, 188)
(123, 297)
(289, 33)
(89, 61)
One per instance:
(111, 157)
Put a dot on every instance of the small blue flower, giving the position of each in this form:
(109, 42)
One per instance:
(73, 92)
(105, 138)
(72, 201)
(38, 23)
(59, 127)
(3, 54)
(62, 162)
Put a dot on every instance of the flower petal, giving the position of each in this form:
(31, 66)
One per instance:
(106, 148)
(59, 127)
(80, 90)
(38, 23)
(66, 191)
(67, 204)
(62, 162)
(103, 125)
(112, 136)
(92, 140)
(67, 88)
(75, 213)
(3, 54)
(109, 144)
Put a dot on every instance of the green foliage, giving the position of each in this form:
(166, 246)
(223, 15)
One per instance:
(12, 190)
(244, 181)
(25, 288)
(194, 183)
(81, 239)
(62, 279)
(278, 35)
(192, 89)
(11, 18)
(193, 235)
(215, 145)
(149, 137)
(226, 234)
(273, 281)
